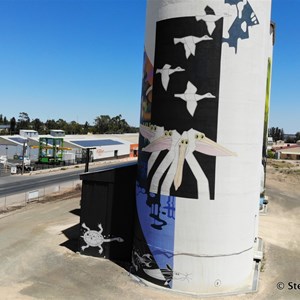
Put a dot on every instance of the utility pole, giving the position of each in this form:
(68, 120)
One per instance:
(87, 159)
(23, 156)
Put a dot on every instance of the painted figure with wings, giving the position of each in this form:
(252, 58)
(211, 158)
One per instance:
(181, 149)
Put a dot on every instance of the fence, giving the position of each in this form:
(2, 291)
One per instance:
(65, 189)
(4, 171)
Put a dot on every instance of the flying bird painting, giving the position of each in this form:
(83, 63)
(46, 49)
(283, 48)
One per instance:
(210, 19)
(165, 72)
(189, 43)
(192, 98)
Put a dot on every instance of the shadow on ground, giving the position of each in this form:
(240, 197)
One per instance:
(72, 234)
(72, 243)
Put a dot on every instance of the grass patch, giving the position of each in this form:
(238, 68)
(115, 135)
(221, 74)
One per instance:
(277, 164)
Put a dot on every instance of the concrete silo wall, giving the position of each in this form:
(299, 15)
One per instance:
(202, 114)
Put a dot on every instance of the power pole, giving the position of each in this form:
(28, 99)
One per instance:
(87, 159)
(23, 156)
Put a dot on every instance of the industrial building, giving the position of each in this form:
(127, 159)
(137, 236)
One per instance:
(287, 151)
(58, 148)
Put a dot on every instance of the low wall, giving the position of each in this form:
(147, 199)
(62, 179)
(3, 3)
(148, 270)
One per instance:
(40, 194)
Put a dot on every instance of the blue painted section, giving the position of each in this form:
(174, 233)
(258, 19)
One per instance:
(96, 143)
(157, 218)
(236, 31)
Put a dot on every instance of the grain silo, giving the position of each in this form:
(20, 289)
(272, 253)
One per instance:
(201, 133)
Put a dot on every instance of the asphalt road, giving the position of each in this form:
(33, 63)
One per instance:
(21, 183)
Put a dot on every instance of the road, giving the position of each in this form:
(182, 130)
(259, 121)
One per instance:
(20, 183)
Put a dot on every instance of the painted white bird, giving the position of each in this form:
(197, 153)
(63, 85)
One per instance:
(181, 149)
(191, 97)
(191, 141)
(152, 133)
(189, 43)
(167, 142)
(194, 140)
(210, 21)
(165, 72)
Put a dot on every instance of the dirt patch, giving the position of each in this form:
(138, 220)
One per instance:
(285, 175)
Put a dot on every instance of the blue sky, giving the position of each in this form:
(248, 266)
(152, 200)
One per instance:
(78, 59)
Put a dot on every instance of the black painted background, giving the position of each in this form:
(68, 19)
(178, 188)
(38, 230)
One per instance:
(203, 71)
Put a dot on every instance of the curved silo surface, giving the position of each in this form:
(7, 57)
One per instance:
(202, 114)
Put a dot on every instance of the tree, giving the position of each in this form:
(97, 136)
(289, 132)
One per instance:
(298, 136)
(37, 125)
(12, 125)
(290, 140)
(118, 125)
(276, 133)
(102, 124)
(62, 124)
(23, 121)
(75, 128)
(51, 124)
(86, 128)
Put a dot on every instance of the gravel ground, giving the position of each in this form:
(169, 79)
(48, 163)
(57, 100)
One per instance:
(37, 261)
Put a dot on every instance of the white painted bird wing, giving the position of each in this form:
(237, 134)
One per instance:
(146, 132)
(190, 48)
(191, 107)
(209, 147)
(166, 66)
(165, 79)
(163, 143)
(190, 88)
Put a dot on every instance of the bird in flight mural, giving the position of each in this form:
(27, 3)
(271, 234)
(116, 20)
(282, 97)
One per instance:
(191, 97)
(210, 19)
(165, 72)
(189, 43)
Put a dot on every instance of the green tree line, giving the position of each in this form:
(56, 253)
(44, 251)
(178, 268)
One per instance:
(278, 134)
(102, 124)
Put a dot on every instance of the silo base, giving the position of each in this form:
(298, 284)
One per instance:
(251, 286)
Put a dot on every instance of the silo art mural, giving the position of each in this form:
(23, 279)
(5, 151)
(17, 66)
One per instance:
(197, 138)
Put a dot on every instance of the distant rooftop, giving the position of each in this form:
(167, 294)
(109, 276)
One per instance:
(95, 143)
